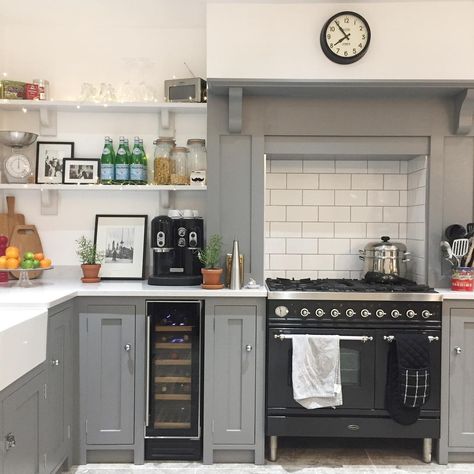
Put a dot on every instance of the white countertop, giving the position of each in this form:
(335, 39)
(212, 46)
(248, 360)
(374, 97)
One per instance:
(449, 294)
(62, 284)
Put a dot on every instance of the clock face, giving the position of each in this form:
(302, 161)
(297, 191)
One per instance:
(345, 37)
(18, 168)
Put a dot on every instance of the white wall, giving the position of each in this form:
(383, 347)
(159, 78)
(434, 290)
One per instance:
(414, 40)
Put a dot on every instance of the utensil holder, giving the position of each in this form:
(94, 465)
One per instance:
(462, 279)
(228, 269)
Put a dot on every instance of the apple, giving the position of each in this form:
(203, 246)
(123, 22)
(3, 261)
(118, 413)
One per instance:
(28, 256)
(3, 240)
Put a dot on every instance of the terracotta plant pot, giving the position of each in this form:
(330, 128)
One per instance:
(91, 273)
(211, 278)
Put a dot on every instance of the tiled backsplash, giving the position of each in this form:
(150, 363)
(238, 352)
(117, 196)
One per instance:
(319, 213)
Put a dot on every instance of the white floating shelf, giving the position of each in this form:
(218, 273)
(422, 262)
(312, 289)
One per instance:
(101, 187)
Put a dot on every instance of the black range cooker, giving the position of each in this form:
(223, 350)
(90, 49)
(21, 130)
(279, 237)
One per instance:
(366, 316)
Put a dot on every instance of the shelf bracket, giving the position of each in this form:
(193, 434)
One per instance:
(235, 109)
(48, 122)
(49, 202)
(464, 112)
(165, 199)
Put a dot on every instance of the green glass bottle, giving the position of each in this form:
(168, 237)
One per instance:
(122, 166)
(129, 158)
(136, 164)
(107, 171)
(144, 162)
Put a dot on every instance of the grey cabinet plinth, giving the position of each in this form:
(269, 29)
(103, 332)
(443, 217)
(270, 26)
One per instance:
(457, 421)
(234, 380)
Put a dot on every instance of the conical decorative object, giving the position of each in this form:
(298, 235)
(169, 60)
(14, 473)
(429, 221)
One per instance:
(235, 269)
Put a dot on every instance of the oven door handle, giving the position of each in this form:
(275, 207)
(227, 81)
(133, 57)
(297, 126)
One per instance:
(392, 338)
(363, 339)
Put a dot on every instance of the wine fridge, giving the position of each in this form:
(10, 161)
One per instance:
(173, 403)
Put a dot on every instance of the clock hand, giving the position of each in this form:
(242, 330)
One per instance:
(342, 39)
(346, 35)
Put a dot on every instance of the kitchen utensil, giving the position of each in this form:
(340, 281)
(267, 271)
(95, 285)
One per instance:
(470, 229)
(454, 231)
(460, 248)
(385, 257)
(9, 220)
(447, 253)
(17, 166)
(17, 139)
(26, 238)
(235, 267)
(468, 259)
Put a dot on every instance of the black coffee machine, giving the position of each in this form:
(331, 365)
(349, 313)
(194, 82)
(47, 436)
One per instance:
(176, 242)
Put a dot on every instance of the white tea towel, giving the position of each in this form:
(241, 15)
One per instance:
(316, 371)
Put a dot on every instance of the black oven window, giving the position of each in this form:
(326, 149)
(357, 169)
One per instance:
(350, 366)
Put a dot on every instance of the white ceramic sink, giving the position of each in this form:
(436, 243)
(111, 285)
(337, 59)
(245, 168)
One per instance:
(22, 342)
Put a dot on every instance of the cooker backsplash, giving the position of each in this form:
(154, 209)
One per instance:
(319, 213)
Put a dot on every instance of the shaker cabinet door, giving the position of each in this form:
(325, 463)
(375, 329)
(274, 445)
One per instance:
(234, 374)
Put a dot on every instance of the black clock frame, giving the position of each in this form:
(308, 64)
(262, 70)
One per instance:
(328, 51)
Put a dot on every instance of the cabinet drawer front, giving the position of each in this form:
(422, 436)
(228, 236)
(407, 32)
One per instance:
(234, 375)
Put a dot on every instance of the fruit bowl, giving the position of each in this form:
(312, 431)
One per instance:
(24, 279)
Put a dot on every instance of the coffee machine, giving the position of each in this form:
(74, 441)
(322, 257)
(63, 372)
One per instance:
(175, 242)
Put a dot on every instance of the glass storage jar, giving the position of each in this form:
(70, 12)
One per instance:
(162, 162)
(179, 158)
(197, 161)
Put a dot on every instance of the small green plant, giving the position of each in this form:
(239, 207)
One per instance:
(210, 256)
(87, 252)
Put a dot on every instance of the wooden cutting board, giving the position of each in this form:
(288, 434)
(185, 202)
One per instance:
(9, 220)
(26, 238)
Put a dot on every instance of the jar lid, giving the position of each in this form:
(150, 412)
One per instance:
(385, 245)
(178, 149)
(160, 140)
(195, 141)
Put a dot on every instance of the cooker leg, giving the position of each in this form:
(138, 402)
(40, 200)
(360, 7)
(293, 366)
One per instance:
(273, 448)
(427, 449)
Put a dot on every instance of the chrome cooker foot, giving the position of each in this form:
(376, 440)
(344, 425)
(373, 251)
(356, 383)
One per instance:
(273, 448)
(427, 449)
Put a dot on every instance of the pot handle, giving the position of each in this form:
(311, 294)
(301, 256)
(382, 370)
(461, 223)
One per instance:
(361, 254)
(362, 257)
(406, 254)
(406, 260)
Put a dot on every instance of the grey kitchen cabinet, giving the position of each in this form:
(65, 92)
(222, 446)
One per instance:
(457, 412)
(234, 380)
(110, 388)
(23, 416)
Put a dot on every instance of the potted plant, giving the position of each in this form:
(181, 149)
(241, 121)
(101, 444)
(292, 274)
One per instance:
(90, 260)
(210, 257)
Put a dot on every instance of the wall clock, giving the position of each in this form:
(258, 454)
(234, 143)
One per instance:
(345, 37)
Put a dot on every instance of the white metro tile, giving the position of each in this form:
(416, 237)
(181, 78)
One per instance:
(367, 181)
(375, 231)
(287, 166)
(382, 198)
(416, 247)
(416, 214)
(318, 262)
(416, 196)
(266, 229)
(267, 196)
(350, 230)
(285, 229)
(266, 262)
(403, 198)
(358, 244)
(318, 198)
(395, 214)
(335, 181)
(318, 229)
(286, 197)
(319, 166)
(276, 181)
(366, 214)
(347, 262)
(300, 246)
(275, 274)
(301, 213)
(334, 274)
(417, 179)
(275, 245)
(275, 213)
(402, 230)
(357, 274)
(383, 166)
(334, 214)
(416, 230)
(351, 198)
(285, 262)
(334, 246)
(403, 166)
(351, 166)
(297, 274)
(302, 181)
(417, 163)
(395, 181)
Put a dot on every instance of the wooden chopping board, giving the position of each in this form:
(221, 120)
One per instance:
(9, 220)
(26, 238)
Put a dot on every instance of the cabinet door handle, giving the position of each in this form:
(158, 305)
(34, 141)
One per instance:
(10, 441)
(127, 347)
(248, 348)
(458, 350)
(55, 362)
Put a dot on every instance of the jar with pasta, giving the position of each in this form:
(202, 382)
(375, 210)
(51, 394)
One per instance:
(179, 158)
(162, 162)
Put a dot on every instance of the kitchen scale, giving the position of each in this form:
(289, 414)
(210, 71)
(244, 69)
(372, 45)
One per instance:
(17, 166)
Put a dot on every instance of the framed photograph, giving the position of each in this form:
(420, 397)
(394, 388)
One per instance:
(49, 161)
(122, 239)
(81, 171)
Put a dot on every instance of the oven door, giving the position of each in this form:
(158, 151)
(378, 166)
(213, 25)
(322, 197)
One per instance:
(357, 369)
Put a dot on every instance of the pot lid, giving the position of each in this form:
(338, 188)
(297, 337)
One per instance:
(385, 245)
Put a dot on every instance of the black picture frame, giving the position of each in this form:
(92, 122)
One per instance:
(50, 170)
(85, 166)
(122, 239)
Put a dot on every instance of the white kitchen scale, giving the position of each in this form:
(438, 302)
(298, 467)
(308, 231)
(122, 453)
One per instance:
(17, 166)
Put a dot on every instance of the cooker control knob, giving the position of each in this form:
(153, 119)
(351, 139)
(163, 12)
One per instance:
(304, 312)
(281, 311)
(411, 314)
(319, 313)
(350, 313)
(380, 313)
(335, 313)
(395, 314)
(426, 314)
(365, 313)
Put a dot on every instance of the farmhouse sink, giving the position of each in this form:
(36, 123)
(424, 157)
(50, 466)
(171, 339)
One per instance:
(22, 342)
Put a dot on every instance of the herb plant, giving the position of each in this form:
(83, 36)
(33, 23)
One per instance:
(87, 252)
(210, 256)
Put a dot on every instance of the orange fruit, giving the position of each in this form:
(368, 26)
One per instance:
(45, 263)
(3, 262)
(13, 263)
(12, 252)
(39, 256)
